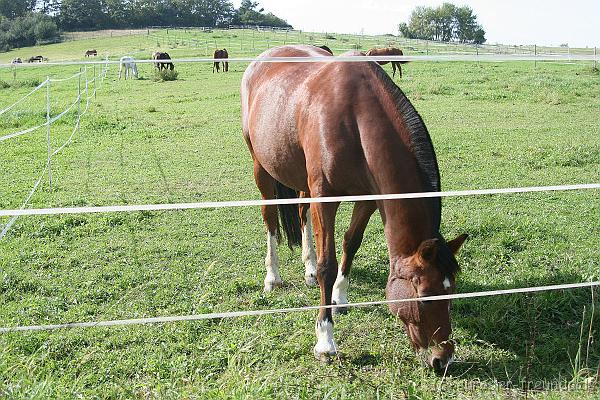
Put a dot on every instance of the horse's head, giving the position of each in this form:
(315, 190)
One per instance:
(430, 271)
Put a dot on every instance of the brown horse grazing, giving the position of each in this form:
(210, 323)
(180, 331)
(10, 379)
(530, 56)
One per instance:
(158, 55)
(389, 51)
(91, 53)
(330, 129)
(221, 55)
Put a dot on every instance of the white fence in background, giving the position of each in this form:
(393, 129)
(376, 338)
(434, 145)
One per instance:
(85, 93)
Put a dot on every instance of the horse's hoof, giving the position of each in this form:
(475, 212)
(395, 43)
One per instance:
(272, 285)
(311, 280)
(326, 357)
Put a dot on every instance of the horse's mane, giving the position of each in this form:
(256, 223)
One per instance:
(421, 144)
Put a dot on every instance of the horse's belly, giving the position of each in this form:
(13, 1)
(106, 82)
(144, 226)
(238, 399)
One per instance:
(276, 147)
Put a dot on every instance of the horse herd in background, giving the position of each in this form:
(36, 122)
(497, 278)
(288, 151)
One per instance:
(163, 60)
(128, 67)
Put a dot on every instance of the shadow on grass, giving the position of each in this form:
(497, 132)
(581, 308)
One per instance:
(526, 337)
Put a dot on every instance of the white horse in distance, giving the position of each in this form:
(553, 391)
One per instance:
(128, 63)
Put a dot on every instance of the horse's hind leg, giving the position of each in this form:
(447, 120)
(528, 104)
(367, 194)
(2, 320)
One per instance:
(309, 256)
(266, 185)
(352, 240)
(323, 216)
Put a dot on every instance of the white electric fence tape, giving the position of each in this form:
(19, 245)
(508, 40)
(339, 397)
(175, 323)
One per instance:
(253, 203)
(334, 59)
(237, 314)
(14, 218)
(38, 87)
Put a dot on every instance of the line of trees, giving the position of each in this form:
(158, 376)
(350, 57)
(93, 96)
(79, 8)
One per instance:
(444, 23)
(27, 22)
(99, 14)
(21, 26)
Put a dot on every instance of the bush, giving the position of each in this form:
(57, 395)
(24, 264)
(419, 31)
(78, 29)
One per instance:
(33, 82)
(165, 75)
(28, 30)
(45, 30)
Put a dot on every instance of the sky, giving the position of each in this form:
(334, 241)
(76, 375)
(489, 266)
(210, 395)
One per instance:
(542, 22)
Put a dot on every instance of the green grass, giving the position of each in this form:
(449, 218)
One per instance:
(493, 125)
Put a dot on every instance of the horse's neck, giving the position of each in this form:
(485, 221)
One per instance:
(407, 223)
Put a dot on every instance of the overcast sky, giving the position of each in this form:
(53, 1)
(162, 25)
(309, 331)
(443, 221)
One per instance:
(547, 22)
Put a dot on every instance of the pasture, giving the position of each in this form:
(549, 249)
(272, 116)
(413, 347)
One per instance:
(493, 125)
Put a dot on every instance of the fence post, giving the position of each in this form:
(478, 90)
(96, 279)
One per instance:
(14, 74)
(79, 97)
(94, 81)
(535, 54)
(49, 145)
(595, 58)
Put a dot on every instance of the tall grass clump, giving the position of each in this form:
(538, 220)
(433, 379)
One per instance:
(165, 75)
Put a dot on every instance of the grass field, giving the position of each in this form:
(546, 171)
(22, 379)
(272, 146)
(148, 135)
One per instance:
(493, 125)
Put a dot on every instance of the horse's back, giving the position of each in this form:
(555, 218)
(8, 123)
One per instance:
(308, 115)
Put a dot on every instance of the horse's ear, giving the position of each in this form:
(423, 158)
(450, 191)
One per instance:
(455, 244)
(428, 250)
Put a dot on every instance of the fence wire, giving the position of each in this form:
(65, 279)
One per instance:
(52, 153)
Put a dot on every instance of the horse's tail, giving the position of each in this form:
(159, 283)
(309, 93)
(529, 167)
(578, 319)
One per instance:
(289, 215)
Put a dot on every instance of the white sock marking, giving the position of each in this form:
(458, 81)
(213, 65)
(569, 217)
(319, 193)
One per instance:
(309, 257)
(325, 343)
(340, 288)
(273, 279)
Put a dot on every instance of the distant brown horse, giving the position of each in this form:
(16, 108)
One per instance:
(159, 55)
(389, 51)
(221, 55)
(36, 59)
(91, 53)
(331, 129)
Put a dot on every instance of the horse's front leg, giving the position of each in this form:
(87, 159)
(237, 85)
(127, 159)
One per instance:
(323, 216)
(352, 240)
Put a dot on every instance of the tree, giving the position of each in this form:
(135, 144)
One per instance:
(479, 36)
(16, 8)
(445, 23)
(249, 14)
(82, 14)
(27, 30)
(99, 14)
